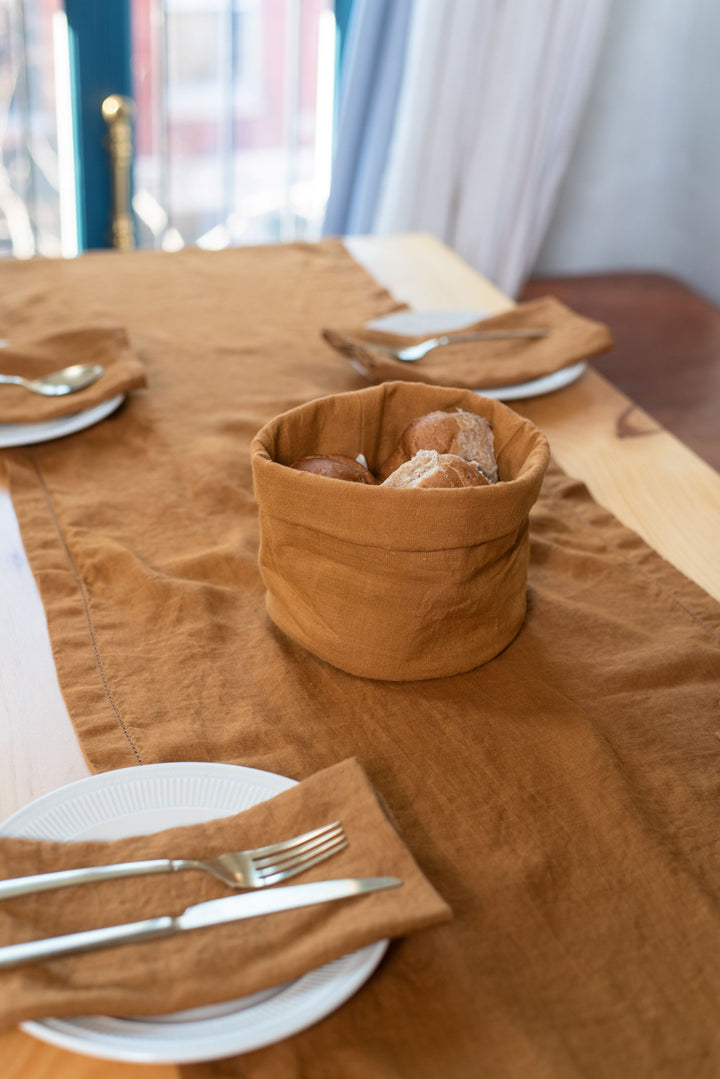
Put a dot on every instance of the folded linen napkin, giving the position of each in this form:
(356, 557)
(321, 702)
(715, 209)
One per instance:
(482, 364)
(107, 345)
(223, 962)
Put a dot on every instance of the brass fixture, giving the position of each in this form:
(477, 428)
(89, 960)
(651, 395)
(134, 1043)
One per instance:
(118, 113)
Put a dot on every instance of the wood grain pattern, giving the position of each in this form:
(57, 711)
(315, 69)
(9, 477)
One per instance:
(33, 715)
(650, 480)
(667, 347)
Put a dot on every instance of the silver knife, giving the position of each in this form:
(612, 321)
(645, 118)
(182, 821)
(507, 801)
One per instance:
(232, 908)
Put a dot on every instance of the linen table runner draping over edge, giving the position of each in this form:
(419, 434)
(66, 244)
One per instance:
(563, 798)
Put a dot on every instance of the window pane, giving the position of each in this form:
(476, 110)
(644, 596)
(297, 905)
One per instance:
(232, 131)
(234, 104)
(29, 171)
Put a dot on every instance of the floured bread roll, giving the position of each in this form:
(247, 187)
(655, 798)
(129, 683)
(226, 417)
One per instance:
(462, 433)
(428, 468)
(336, 467)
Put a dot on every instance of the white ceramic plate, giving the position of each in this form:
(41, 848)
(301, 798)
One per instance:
(26, 434)
(437, 322)
(137, 801)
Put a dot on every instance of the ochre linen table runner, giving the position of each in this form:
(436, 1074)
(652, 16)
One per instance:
(563, 799)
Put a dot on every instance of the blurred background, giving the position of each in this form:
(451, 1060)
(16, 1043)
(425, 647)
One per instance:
(231, 134)
(532, 136)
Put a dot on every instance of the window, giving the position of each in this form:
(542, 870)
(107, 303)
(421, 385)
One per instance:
(232, 136)
(234, 102)
(29, 176)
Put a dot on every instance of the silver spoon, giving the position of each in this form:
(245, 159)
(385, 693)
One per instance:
(69, 380)
(416, 352)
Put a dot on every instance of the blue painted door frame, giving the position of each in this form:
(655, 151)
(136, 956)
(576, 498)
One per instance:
(100, 50)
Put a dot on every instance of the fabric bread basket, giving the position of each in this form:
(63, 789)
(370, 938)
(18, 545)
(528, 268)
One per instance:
(388, 583)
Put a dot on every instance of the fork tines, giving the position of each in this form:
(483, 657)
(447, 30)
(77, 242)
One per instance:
(279, 860)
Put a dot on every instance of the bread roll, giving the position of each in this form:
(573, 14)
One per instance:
(461, 433)
(336, 467)
(428, 468)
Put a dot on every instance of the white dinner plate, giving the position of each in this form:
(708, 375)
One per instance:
(436, 322)
(149, 798)
(26, 434)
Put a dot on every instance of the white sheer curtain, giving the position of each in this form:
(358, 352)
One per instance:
(490, 107)
(642, 190)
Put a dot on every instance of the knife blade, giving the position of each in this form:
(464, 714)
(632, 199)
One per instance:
(232, 908)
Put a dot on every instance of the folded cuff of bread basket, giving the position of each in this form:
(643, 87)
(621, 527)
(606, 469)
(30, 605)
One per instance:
(487, 364)
(224, 962)
(106, 345)
(389, 583)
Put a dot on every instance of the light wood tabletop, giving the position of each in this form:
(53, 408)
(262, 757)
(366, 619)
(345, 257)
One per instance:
(645, 476)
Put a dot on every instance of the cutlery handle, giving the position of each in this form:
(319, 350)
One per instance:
(15, 955)
(13, 380)
(43, 882)
(490, 335)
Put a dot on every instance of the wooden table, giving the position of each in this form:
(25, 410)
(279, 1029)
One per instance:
(667, 347)
(644, 475)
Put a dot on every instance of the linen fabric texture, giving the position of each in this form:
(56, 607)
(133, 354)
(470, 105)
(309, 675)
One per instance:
(388, 583)
(481, 364)
(222, 962)
(562, 798)
(35, 357)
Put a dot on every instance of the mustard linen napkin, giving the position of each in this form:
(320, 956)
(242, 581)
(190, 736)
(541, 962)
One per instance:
(107, 345)
(482, 364)
(220, 963)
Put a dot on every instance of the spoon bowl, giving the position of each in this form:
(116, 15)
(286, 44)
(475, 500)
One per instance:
(68, 380)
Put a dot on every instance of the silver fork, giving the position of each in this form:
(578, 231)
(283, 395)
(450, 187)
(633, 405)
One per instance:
(256, 868)
(416, 352)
